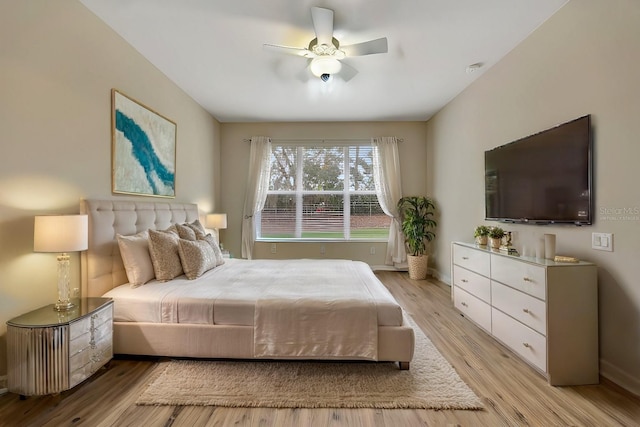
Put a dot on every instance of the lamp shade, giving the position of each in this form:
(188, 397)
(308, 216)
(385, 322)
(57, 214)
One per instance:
(60, 233)
(217, 221)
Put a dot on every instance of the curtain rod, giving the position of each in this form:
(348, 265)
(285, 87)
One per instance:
(321, 139)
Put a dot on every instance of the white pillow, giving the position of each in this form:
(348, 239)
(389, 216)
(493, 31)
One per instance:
(136, 258)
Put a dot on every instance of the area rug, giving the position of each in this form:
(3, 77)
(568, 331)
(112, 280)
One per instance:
(431, 383)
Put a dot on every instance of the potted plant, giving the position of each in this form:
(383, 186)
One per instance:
(416, 217)
(481, 233)
(495, 237)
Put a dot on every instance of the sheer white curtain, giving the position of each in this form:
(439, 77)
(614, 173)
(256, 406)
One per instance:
(386, 175)
(257, 186)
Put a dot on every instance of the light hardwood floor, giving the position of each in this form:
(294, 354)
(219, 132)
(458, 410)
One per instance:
(512, 392)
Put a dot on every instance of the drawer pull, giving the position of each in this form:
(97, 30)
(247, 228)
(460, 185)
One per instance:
(466, 258)
(464, 304)
(526, 344)
(526, 310)
(465, 281)
(526, 279)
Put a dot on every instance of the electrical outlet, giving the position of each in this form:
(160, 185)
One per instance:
(274, 248)
(322, 250)
(602, 241)
(372, 250)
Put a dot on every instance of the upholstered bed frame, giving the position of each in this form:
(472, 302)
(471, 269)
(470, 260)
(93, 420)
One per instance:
(102, 270)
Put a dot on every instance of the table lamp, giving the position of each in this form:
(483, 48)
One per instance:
(62, 234)
(217, 221)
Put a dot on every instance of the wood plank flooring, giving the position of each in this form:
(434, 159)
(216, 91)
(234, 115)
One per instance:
(513, 393)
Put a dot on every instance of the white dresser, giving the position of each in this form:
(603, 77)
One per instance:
(546, 312)
(50, 351)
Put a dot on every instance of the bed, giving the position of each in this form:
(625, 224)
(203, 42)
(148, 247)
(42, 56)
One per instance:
(266, 309)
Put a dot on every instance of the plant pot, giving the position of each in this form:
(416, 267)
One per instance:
(482, 240)
(418, 266)
(495, 242)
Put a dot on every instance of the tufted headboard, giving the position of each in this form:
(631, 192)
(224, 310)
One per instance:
(101, 264)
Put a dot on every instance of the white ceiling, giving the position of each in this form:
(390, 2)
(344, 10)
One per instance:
(213, 50)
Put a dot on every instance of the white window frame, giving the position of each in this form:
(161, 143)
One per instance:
(299, 192)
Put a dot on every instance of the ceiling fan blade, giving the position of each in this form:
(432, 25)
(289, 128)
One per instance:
(347, 72)
(366, 48)
(323, 24)
(299, 51)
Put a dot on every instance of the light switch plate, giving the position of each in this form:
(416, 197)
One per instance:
(602, 241)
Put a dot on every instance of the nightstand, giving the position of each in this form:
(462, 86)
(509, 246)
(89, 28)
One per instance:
(51, 351)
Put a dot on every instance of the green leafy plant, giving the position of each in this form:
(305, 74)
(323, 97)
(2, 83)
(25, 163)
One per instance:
(416, 216)
(496, 233)
(481, 231)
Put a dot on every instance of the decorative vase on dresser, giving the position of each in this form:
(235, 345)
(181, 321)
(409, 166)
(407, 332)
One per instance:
(545, 311)
(51, 351)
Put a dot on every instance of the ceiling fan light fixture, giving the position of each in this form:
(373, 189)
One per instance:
(320, 66)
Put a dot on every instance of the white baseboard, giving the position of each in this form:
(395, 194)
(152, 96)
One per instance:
(445, 278)
(620, 377)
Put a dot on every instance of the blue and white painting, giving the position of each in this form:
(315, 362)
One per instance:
(144, 149)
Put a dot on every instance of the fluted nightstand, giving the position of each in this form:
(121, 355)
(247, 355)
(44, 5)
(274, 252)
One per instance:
(51, 351)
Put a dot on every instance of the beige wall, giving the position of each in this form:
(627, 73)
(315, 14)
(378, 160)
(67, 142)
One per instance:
(584, 60)
(59, 63)
(235, 152)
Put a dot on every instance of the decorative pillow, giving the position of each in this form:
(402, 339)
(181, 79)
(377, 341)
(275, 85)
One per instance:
(185, 232)
(197, 227)
(197, 257)
(136, 258)
(163, 247)
(216, 249)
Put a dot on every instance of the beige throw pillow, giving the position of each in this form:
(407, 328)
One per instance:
(185, 231)
(134, 251)
(197, 257)
(197, 227)
(163, 247)
(216, 249)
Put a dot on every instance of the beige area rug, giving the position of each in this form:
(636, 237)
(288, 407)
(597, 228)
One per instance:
(431, 383)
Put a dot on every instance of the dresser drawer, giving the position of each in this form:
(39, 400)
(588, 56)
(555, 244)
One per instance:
(97, 359)
(528, 343)
(475, 284)
(523, 307)
(90, 353)
(523, 276)
(84, 341)
(97, 319)
(473, 308)
(472, 259)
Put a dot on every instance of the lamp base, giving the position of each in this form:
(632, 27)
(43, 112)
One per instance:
(63, 306)
(64, 302)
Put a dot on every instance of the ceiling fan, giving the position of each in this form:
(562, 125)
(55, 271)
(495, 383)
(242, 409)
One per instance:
(326, 53)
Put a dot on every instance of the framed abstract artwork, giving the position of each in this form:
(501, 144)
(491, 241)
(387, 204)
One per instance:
(143, 152)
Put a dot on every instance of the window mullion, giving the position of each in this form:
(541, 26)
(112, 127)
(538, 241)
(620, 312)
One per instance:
(346, 202)
(299, 188)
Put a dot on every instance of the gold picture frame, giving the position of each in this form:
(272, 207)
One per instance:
(143, 149)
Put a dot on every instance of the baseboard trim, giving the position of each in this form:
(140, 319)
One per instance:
(620, 377)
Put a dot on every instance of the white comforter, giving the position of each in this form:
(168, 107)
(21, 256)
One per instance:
(301, 308)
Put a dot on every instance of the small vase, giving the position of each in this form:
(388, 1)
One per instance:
(549, 246)
(481, 240)
(495, 242)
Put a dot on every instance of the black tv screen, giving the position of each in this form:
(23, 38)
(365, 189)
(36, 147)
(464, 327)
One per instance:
(544, 178)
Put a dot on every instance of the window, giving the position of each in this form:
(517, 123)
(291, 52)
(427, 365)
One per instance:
(319, 191)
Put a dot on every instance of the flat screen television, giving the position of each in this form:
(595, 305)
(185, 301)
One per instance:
(545, 178)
